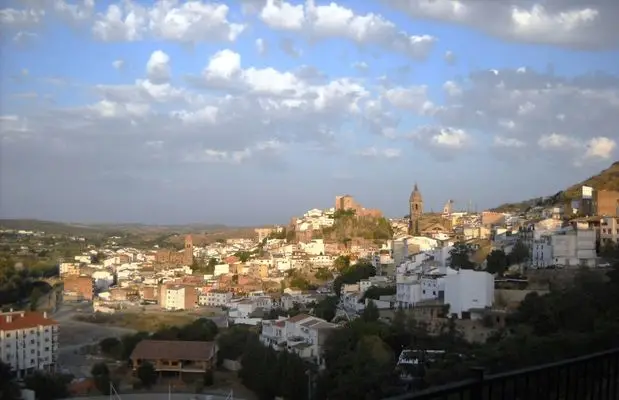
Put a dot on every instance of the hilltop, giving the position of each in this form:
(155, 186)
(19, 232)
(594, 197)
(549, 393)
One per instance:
(607, 179)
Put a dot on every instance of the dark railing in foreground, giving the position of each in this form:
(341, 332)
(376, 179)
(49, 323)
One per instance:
(591, 377)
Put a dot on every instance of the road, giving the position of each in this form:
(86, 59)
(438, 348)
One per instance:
(76, 335)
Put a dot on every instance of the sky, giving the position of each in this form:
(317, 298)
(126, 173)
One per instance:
(249, 112)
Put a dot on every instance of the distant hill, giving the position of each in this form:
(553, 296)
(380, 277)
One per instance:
(608, 179)
(79, 229)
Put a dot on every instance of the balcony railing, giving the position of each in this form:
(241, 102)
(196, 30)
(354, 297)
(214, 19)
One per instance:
(592, 377)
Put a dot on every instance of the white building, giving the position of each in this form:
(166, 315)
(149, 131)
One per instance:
(221, 269)
(174, 297)
(103, 279)
(573, 248)
(302, 334)
(468, 290)
(315, 247)
(215, 298)
(28, 341)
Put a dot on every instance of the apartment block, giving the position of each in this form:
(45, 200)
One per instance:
(178, 297)
(79, 288)
(215, 298)
(28, 341)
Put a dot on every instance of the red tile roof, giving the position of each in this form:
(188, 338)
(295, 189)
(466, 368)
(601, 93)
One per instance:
(299, 317)
(23, 320)
(174, 350)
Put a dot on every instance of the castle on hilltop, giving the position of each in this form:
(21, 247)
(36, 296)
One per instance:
(347, 202)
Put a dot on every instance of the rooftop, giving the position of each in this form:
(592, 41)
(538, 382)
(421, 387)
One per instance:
(174, 350)
(23, 320)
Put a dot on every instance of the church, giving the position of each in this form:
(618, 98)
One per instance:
(420, 224)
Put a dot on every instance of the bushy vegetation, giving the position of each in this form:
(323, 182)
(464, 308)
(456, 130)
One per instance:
(23, 285)
(353, 274)
(348, 226)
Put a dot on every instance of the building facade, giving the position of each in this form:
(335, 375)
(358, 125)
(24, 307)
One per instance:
(28, 341)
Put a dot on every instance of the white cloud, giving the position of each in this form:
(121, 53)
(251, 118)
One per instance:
(575, 23)
(600, 147)
(335, 21)
(261, 46)
(380, 153)
(537, 109)
(158, 67)
(413, 98)
(118, 64)
(189, 22)
(18, 19)
(557, 141)
(500, 141)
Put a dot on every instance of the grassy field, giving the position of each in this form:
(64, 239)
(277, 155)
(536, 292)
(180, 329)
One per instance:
(148, 322)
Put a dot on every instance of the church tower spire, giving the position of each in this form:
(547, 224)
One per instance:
(415, 203)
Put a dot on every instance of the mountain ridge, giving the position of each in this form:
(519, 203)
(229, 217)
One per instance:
(607, 179)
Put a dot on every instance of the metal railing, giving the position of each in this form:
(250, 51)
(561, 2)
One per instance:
(591, 377)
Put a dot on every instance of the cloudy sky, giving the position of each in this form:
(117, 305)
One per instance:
(251, 111)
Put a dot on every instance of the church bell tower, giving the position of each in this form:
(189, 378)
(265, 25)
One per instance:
(415, 212)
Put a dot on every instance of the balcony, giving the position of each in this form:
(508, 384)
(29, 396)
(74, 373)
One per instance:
(595, 376)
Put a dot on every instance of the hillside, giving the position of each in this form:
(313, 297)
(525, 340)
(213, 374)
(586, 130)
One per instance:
(351, 227)
(608, 179)
(79, 229)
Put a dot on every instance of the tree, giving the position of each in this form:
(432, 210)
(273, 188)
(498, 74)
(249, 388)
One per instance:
(111, 347)
(48, 386)
(323, 274)
(353, 274)
(9, 389)
(519, 254)
(460, 257)
(35, 297)
(129, 342)
(208, 379)
(147, 374)
(341, 263)
(374, 292)
(101, 377)
(326, 308)
(496, 262)
(232, 342)
(243, 256)
(370, 313)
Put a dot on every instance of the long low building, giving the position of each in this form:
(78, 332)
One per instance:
(177, 357)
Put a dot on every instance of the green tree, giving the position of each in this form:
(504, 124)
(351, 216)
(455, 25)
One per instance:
(496, 262)
(519, 254)
(243, 256)
(323, 274)
(459, 255)
(374, 292)
(341, 263)
(370, 313)
(232, 342)
(353, 274)
(326, 308)
(130, 341)
(48, 386)
(147, 374)
(9, 388)
(111, 347)
(101, 377)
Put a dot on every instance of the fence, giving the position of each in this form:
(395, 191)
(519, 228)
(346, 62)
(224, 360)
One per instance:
(591, 377)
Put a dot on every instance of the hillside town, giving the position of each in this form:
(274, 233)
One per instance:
(297, 284)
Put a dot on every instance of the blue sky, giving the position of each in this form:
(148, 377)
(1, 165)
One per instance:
(250, 112)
